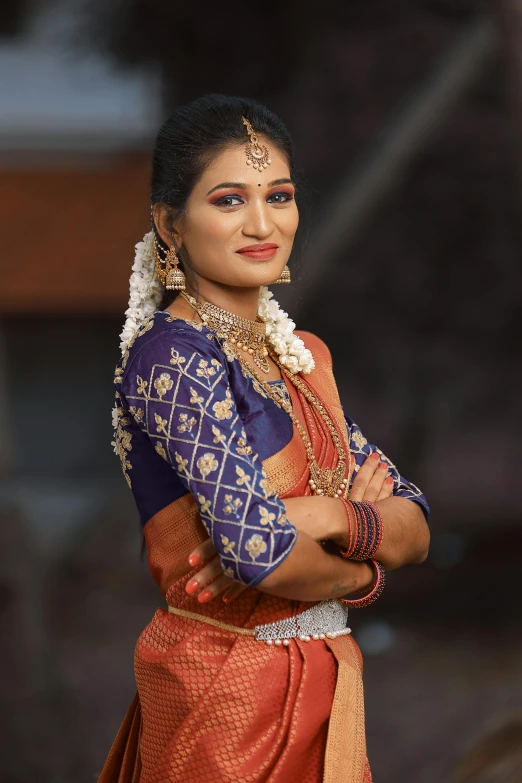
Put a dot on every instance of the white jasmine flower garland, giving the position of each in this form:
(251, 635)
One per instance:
(280, 335)
(146, 293)
(145, 290)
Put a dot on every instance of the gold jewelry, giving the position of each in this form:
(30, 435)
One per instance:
(171, 276)
(248, 336)
(284, 277)
(331, 482)
(257, 154)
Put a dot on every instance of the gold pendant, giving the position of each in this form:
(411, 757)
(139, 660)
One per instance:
(330, 482)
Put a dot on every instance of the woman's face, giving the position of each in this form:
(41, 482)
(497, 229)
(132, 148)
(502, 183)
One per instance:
(234, 208)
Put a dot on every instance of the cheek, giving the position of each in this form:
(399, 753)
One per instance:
(289, 222)
(213, 226)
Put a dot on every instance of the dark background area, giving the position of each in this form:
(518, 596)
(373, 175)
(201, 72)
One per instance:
(407, 123)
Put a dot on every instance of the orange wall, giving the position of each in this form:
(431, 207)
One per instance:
(68, 234)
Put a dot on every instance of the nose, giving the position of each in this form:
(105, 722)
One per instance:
(258, 223)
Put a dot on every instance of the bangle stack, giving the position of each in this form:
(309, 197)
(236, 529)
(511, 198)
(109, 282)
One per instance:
(375, 589)
(365, 530)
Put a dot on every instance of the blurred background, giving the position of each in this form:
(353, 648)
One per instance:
(407, 121)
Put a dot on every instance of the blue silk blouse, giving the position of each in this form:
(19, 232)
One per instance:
(189, 420)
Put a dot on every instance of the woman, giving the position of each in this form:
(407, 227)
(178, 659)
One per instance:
(266, 513)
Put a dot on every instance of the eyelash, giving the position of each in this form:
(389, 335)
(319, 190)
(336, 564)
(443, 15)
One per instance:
(221, 201)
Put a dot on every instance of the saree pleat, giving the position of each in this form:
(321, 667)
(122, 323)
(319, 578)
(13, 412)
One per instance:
(215, 707)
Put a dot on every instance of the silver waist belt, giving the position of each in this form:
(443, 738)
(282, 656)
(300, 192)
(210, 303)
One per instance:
(325, 620)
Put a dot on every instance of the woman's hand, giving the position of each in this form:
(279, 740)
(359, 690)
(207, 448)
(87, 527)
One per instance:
(210, 581)
(372, 481)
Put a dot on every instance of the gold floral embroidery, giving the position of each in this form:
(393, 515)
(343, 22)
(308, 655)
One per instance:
(244, 478)
(141, 385)
(228, 572)
(204, 371)
(359, 439)
(137, 413)
(207, 464)
(242, 446)
(266, 517)
(219, 437)
(186, 423)
(232, 506)
(228, 351)
(118, 372)
(255, 546)
(228, 545)
(159, 448)
(182, 463)
(283, 520)
(176, 358)
(162, 424)
(195, 399)
(122, 445)
(163, 384)
(268, 491)
(204, 504)
(222, 407)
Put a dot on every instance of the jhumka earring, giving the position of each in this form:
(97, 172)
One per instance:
(171, 275)
(257, 154)
(284, 277)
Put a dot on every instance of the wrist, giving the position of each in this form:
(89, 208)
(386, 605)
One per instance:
(364, 530)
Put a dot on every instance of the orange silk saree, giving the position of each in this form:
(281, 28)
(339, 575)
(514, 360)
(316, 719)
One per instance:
(213, 706)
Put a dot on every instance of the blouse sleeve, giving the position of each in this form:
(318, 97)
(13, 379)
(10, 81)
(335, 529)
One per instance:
(361, 449)
(181, 381)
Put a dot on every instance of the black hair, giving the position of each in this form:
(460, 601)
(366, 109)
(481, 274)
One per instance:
(192, 137)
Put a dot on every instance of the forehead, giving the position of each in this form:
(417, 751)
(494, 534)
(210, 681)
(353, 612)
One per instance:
(230, 165)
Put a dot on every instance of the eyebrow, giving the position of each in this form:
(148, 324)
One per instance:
(243, 186)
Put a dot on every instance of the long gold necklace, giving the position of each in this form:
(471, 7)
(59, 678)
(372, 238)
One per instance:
(332, 482)
(248, 336)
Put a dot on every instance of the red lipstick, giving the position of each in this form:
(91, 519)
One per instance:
(260, 252)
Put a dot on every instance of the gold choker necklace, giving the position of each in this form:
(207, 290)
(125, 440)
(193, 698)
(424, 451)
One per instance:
(248, 336)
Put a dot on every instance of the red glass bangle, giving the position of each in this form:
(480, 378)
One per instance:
(352, 529)
(375, 588)
(365, 528)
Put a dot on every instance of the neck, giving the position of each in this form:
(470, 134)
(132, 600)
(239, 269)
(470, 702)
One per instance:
(240, 301)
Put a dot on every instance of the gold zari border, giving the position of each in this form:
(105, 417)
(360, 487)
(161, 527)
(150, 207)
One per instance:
(210, 621)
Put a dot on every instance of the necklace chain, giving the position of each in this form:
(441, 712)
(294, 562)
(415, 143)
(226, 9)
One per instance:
(248, 336)
(332, 482)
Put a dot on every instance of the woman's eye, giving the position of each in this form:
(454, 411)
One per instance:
(280, 198)
(228, 201)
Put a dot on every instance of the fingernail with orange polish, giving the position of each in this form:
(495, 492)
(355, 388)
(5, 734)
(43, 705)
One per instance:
(389, 480)
(194, 560)
(383, 466)
(206, 595)
(374, 455)
(192, 586)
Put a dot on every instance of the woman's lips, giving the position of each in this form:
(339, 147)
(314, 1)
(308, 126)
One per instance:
(260, 252)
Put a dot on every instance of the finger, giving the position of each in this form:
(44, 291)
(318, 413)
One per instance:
(387, 489)
(202, 552)
(363, 477)
(204, 576)
(233, 592)
(372, 491)
(214, 588)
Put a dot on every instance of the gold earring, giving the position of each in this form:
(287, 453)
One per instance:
(171, 276)
(284, 277)
(174, 277)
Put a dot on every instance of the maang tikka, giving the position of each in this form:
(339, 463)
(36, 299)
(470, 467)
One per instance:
(257, 154)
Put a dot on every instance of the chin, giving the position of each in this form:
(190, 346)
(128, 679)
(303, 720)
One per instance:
(265, 274)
